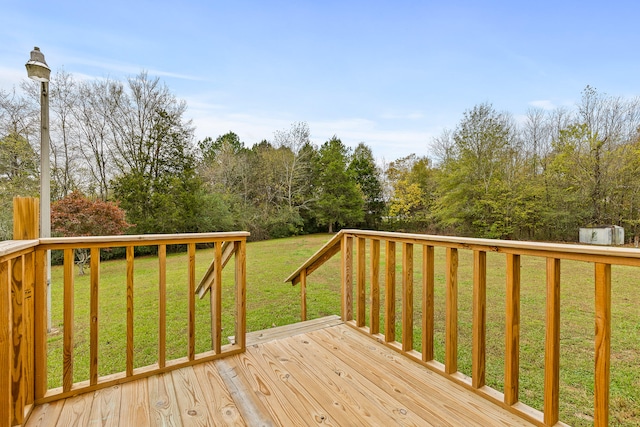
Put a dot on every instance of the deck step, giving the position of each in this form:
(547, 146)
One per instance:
(278, 332)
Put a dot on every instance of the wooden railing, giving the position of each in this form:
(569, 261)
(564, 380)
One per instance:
(602, 259)
(23, 314)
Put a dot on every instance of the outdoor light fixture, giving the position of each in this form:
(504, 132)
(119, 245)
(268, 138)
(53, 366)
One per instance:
(38, 70)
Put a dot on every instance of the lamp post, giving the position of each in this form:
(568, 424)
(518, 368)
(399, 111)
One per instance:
(38, 70)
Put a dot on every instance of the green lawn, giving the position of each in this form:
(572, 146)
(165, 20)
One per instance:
(270, 302)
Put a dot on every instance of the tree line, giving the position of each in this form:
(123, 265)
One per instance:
(540, 177)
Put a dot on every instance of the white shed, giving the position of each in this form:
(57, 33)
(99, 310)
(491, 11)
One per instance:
(603, 235)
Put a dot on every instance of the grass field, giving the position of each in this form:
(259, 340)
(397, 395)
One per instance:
(270, 302)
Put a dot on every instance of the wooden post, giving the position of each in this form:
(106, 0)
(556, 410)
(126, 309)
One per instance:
(552, 344)
(303, 294)
(512, 335)
(26, 212)
(428, 314)
(347, 278)
(375, 287)
(6, 347)
(241, 293)
(479, 318)
(603, 344)
(407, 296)
(451, 313)
(390, 293)
(361, 308)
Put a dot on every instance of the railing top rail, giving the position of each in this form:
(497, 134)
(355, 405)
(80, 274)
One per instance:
(9, 247)
(335, 240)
(144, 239)
(560, 250)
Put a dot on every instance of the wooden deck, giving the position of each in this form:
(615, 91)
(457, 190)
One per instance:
(316, 372)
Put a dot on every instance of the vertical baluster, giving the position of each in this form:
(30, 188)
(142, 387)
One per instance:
(216, 300)
(18, 327)
(451, 315)
(407, 296)
(40, 327)
(347, 278)
(191, 338)
(129, 362)
(6, 346)
(552, 344)
(360, 281)
(512, 333)
(162, 305)
(303, 294)
(28, 304)
(602, 344)
(375, 287)
(67, 354)
(241, 292)
(390, 293)
(428, 313)
(93, 303)
(479, 318)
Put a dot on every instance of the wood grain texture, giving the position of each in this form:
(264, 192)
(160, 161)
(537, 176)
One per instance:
(478, 352)
(347, 278)
(29, 321)
(134, 406)
(105, 410)
(6, 346)
(451, 312)
(130, 282)
(217, 397)
(303, 295)
(26, 217)
(390, 292)
(361, 307)
(93, 303)
(191, 300)
(40, 325)
(18, 327)
(375, 287)
(162, 305)
(407, 296)
(190, 398)
(602, 344)
(46, 415)
(241, 293)
(163, 403)
(428, 302)
(68, 332)
(216, 301)
(512, 333)
(552, 344)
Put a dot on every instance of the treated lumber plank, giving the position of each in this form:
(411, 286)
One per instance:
(130, 280)
(191, 302)
(162, 305)
(105, 410)
(241, 292)
(6, 346)
(451, 312)
(285, 331)
(163, 404)
(363, 402)
(228, 249)
(361, 272)
(512, 333)
(45, 415)
(303, 392)
(68, 334)
(552, 344)
(460, 406)
(390, 292)
(19, 327)
(218, 398)
(602, 344)
(76, 411)
(259, 386)
(428, 302)
(29, 319)
(303, 294)
(347, 278)
(375, 287)
(191, 401)
(40, 325)
(215, 296)
(93, 303)
(135, 410)
(478, 353)
(407, 296)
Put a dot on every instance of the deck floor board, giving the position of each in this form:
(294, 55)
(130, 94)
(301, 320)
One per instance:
(319, 373)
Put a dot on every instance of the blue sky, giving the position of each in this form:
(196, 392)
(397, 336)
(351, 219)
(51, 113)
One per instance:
(390, 74)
